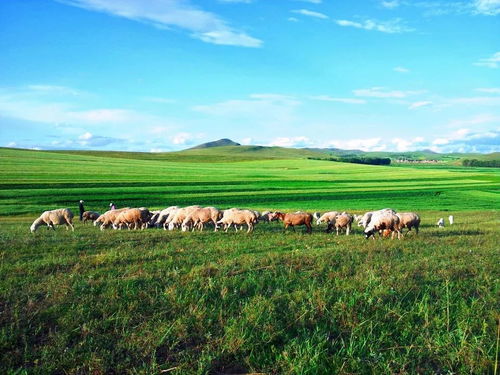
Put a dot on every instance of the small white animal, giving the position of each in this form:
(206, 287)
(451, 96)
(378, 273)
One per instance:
(451, 218)
(440, 223)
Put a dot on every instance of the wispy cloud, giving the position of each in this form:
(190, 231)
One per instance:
(490, 62)
(310, 13)
(487, 7)
(180, 14)
(420, 104)
(401, 69)
(490, 90)
(480, 119)
(390, 4)
(394, 26)
(311, 1)
(300, 141)
(326, 98)
(363, 144)
(382, 92)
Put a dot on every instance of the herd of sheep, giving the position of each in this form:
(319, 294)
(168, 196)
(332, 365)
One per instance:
(385, 222)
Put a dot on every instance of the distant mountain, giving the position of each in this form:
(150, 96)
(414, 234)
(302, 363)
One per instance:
(220, 143)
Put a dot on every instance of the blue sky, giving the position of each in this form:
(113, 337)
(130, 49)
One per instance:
(162, 75)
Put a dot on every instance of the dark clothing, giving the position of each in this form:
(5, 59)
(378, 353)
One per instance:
(82, 210)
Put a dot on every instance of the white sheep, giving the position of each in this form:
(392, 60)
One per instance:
(54, 217)
(451, 219)
(235, 216)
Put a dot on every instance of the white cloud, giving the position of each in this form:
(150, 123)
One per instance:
(269, 109)
(180, 14)
(236, 1)
(487, 7)
(292, 19)
(390, 4)
(32, 105)
(54, 90)
(327, 98)
(490, 90)
(475, 120)
(363, 144)
(420, 104)
(11, 144)
(184, 138)
(291, 142)
(490, 62)
(311, 1)
(394, 26)
(401, 69)
(476, 101)
(381, 92)
(310, 13)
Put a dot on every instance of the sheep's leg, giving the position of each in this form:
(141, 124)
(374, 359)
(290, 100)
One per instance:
(416, 229)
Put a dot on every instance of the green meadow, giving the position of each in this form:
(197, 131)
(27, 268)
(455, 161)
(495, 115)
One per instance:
(155, 302)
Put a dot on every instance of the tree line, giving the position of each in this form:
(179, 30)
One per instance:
(358, 160)
(481, 163)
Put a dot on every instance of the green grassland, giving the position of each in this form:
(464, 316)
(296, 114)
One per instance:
(153, 301)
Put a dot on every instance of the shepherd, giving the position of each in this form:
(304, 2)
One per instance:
(82, 209)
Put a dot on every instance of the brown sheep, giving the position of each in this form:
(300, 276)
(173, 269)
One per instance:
(54, 217)
(90, 215)
(200, 216)
(343, 221)
(291, 220)
(236, 216)
(134, 217)
(107, 218)
(408, 220)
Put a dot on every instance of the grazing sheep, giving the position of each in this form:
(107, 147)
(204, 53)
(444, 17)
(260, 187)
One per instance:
(107, 218)
(54, 217)
(408, 220)
(440, 223)
(201, 216)
(159, 219)
(291, 220)
(366, 218)
(328, 218)
(343, 221)
(133, 217)
(265, 216)
(316, 215)
(176, 218)
(451, 219)
(90, 215)
(381, 221)
(236, 216)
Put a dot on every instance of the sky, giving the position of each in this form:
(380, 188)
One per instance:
(165, 75)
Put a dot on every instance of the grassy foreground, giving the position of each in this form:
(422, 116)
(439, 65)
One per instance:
(153, 302)
(130, 302)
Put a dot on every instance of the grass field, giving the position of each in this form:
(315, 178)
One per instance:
(152, 302)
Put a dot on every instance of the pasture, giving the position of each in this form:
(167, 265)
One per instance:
(151, 302)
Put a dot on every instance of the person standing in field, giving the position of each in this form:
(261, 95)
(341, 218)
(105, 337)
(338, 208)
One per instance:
(82, 209)
(112, 206)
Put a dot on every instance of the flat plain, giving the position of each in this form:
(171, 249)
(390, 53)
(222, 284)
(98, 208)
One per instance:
(153, 301)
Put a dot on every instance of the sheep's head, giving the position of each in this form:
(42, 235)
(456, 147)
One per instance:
(33, 228)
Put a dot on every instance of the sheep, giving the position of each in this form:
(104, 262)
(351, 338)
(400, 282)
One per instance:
(54, 217)
(343, 221)
(107, 218)
(316, 215)
(200, 216)
(236, 216)
(451, 219)
(408, 220)
(290, 220)
(265, 216)
(381, 221)
(176, 218)
(440, 223)
(90, 215)
(135, 217)
(365, 219)
(163, 215)
(328, 218)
